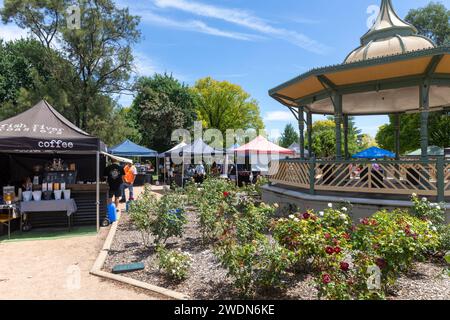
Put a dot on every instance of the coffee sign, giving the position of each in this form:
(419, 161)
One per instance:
(55, 144)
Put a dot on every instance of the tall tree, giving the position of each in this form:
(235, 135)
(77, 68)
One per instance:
(162, 105)
(100, 50)
(30, 72)
(222, 105)
(432, 21)
(289, 136)
(324, 138)
(43, 18)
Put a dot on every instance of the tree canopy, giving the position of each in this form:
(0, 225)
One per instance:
(432, 21)
(222, 105)
(289, 136)
(162, 105)
(99, 51)
(324, 138)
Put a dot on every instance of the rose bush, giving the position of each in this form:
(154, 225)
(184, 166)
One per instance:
(260, 263)
(434, 213)
(174, 263)
(142, 212)
(312, 236)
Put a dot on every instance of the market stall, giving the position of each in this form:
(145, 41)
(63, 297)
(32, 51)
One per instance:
(133, 150)
(253, 158)
(43, 153)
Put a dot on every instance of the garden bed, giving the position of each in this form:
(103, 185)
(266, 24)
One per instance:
(208, 280)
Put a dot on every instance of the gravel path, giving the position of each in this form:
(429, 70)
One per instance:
(59, 270)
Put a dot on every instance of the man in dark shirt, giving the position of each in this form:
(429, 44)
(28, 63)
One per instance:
(114, 174)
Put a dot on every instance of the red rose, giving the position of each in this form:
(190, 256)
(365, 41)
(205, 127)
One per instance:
(326, 278)
(373, 222)
(226, 194)
(327, 236)
(346, 236)
(329, 250)
(337, 250)
(306, 216)
(381, 263)
(345, 266)
(365, 221)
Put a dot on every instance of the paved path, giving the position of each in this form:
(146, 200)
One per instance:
(58, 269)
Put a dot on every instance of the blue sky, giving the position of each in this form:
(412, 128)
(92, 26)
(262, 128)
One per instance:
(256, 44)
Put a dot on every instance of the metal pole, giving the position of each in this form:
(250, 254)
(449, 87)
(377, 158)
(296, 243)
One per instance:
(346, 153)
(424, 112)
(301, 129)
(97, 191)
(309, 128)
(337, 101)
(397, 135)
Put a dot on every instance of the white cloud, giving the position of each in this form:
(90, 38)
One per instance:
(195, 26)
(279, 116)
(144, 65)
(244, 19)
(12, 32)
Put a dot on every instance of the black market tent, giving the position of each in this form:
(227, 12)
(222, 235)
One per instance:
(42, 130)
(131, 149)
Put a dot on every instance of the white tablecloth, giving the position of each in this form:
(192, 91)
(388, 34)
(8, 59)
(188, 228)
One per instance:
(68, 206)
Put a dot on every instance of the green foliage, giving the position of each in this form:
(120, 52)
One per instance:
(397, 238)
(219, 103)
(439, 132)
(434, 214)
(324, 138)
(158, 219)
(174, 263)
(208, 199)
(141, 214)
(257, 264)
(161, 106)
(170, 218)
(99, 53)
(289, 136)
(309, 235)
(432, 21)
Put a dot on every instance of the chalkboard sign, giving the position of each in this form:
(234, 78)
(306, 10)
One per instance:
(67, 177)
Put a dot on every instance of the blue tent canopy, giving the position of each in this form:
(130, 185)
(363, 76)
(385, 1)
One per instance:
(374, 153)
(131, 149)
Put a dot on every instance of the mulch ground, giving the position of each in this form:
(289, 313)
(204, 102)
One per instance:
(208, 280)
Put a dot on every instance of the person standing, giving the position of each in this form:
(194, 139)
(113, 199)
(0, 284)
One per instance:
(128, 181)
(114, 174)
(200, 173)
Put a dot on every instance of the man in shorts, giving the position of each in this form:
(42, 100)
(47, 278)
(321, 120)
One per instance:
(114, 174)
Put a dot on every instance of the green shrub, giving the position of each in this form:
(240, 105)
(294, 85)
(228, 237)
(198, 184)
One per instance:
(160, 219)
(174, 263)
(170, 218)
(141, 212)
(308, 235)
(434, 213)
(257, 264)
(396, 238)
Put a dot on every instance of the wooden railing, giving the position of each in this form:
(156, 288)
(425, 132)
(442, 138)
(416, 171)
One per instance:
(404, 177)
